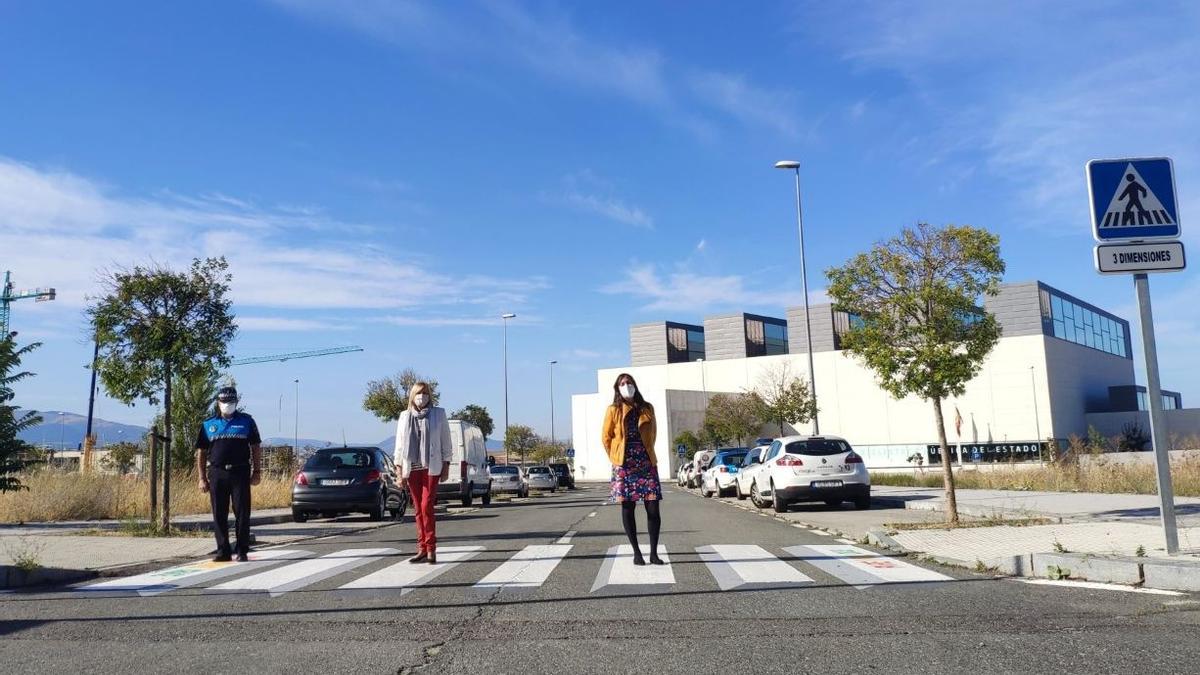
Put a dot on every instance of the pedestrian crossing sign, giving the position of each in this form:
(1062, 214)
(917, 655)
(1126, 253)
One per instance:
(1133, 199)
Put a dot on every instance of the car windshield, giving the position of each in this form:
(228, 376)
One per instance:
(504, 469)
(538, 469)
(817, 446)
(732, 459)
(560, 468)
(336, 459)
(750, 457)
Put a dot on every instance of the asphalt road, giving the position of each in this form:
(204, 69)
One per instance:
(752, 598)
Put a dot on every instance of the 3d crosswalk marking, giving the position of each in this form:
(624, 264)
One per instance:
(529, 568)
(737, 565)
(862, 568)
(407, 576)
(298, 575)
(193, 574)
(618, 568)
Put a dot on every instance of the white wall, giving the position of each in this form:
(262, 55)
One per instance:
(1079, 378)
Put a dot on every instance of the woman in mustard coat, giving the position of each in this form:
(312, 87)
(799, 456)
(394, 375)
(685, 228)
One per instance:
(628, 436)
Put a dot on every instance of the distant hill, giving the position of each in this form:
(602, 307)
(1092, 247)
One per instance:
(68, 430)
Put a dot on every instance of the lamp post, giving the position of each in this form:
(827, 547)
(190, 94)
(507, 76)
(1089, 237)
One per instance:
(1037, 422)
(552, 439)
(62, 432)
(505, 317)
(812, 384)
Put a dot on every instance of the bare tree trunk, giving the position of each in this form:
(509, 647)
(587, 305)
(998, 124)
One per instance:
(947, 468)
(166, 509)
(153, 475)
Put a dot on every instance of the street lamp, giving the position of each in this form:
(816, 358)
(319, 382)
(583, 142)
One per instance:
(506, 317)
(62, 432)
(812, 383)
(1037, 422)
(552, 402)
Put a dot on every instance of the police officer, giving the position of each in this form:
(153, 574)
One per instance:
(229, 461)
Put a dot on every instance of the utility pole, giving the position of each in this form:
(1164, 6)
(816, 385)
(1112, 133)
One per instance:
(552, 439)
(89, 441)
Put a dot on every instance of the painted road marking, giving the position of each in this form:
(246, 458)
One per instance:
(408, 576)
(298, 575)
(618, 568)
(848, 541)
(192, 574)
(862, 568)
(737, 565)
(823, 533)
(1098, 586)
(566, 538)
(529, 568)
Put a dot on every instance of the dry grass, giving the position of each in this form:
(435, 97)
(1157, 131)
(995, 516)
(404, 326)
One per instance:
(1100, 476)
(985, 522)
(55, 496)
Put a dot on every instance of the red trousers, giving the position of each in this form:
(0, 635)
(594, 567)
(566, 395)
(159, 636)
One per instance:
(422, 489)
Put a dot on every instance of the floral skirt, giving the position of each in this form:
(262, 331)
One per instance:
(636, 479)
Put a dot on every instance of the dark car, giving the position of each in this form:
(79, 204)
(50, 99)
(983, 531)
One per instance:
(565, 477)
(348, 480)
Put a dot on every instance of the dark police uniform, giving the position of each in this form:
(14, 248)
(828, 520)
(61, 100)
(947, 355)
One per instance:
(227, 443)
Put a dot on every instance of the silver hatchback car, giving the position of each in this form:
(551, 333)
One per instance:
(541, 478)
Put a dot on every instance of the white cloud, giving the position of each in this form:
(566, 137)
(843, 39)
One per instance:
(611, 208)
(686, 291)
(753, 105)
(279, 324)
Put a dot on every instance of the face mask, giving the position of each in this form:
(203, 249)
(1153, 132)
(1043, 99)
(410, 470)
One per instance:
(627, 390)
(420, 400)
(227, 408)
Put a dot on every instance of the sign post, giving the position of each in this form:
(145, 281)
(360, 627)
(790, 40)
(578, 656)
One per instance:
(1134, 206)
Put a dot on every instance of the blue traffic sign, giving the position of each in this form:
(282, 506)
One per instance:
(1133, 199)
(682, 450)
(570, 453)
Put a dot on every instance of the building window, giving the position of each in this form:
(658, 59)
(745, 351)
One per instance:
(695, 345)
(684, 344)
(776, 338)
(765, 338)
(1068, 320)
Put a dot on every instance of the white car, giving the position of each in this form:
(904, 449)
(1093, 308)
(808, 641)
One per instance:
(681, 475)
(749, 469)
(541, 478)
(507, 478)
(810, 469)
(722, 473)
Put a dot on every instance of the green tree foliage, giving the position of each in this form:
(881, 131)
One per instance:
(737, 417)
(922, 329)
(785, 397)
(153, 324)
(477, 415)
(388, 397)
(688, 440)
(547, 451)
(519, 440)
(280, 460)
(14, 453)
(193, 394)
(120, 457)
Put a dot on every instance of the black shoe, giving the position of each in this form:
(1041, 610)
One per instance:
(655, 560)
(242, 557)
(638, 559)
(222, 557)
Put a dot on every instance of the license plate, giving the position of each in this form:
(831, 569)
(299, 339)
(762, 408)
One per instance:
(335, 481)
(826, 483)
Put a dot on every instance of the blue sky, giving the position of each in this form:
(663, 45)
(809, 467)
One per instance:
(398, 174)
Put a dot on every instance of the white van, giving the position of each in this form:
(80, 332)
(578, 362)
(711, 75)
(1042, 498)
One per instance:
(468, 468)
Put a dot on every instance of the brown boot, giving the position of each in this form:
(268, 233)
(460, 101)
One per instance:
(420, 557)
(432, 558)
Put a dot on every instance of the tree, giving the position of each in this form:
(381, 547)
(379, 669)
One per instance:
(546, 451)
(14, 453)
(121, 457)
(922, 330)
(387, 398)
(281, 460)
(688, 440)
(519, 439)
(192, 396)
(785, 397)
(734, 416)
(153, 324)
(477, 415)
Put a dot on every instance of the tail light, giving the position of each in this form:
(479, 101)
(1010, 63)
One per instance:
(301, 479)
(853, 459)
(373, 476)
(789, 461)
(723, 469)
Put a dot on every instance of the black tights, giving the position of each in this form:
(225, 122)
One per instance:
(653, 521)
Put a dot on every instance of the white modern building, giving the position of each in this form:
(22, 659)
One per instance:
(1059, 360)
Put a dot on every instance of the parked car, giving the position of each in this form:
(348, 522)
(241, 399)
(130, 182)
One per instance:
(468, 467)
(699, 464)
(566, 477)
(751, 463)
(507, 478)
(722, 473)
(811, 469)
(681, 475)
(541, 478)
(348, 480)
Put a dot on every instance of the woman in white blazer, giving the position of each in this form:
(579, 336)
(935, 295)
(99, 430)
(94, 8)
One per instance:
(423, 453)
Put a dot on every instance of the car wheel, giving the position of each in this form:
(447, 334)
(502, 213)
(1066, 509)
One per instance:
(862, 503)
(487, 496)
(779, 503)
(755, 498)
(299, 516)
(833, 502)
(401, 507)
(468, 495)
(737, 491)
(704, 491)
(376, 512)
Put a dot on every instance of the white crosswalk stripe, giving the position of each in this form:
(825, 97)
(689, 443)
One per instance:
(862, 568)
(618, 569)
(192, 574)
(407, 576)
(736, 565)
(298, 575)
(529, 568)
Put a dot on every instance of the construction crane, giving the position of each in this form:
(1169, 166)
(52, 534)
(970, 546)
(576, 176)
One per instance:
(8, 296)
(295, 355)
